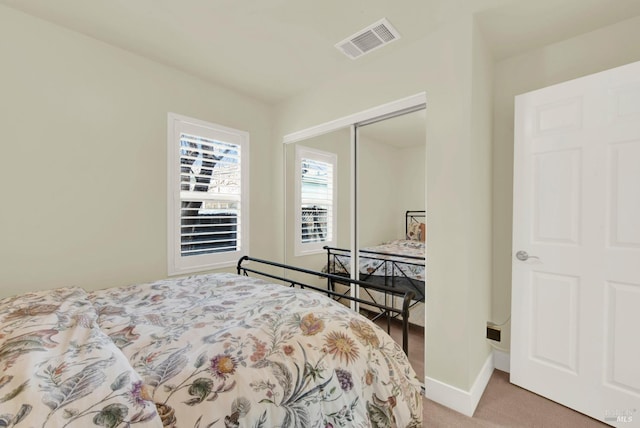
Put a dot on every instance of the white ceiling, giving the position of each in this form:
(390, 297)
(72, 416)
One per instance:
(273, 49)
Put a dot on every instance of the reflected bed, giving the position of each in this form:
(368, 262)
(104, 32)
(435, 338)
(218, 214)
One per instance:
(397, 264)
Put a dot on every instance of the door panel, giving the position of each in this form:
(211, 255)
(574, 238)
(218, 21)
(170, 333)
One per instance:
(624, 195)
(558, 117)
(576, 299)
(556, 196)
(621, 362)
(554, 339)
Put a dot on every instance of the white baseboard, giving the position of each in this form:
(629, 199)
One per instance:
(502, 360)
(461, 401)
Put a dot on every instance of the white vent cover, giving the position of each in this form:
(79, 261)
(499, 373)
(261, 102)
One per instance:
(369, 39)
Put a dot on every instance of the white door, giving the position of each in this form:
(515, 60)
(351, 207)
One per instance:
(576, 245)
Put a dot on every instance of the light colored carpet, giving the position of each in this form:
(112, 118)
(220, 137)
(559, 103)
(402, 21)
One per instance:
(506, 405)
(502, 404)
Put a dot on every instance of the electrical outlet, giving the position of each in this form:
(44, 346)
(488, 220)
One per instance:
(493, 333)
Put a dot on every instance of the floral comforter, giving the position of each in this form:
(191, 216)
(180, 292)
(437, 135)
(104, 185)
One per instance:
(391, 258)
(215, 350)
(58, 369)
(229, 351)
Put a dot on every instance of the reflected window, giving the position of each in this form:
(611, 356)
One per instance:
(315, 199)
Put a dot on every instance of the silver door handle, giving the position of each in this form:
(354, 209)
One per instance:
(523, 256)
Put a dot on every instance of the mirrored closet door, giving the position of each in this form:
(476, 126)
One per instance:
(391, 218)
(317, 198)
(348, 191)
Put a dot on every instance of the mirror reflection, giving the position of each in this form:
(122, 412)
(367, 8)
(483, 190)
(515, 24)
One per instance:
(318, 198)
(391, 217)
(389, 220)
(391, 184)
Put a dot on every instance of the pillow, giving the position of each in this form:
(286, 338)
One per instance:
(416, 231)
(413, 231)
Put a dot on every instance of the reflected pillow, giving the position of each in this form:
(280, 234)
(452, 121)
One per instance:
(416, 231)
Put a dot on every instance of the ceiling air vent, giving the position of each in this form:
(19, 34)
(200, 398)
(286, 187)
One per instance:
(371, 38)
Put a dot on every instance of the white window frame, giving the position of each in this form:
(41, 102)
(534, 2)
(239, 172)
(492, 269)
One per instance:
(177, 263)
(300, 248)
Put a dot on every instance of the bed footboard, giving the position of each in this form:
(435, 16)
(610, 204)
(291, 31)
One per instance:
(387, 267)
(264, 268)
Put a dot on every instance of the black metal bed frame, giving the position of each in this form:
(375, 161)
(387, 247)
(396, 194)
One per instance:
(384, 273)
(390, 311)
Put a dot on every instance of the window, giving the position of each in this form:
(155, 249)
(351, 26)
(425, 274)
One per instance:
(316, 195)
(208, 195)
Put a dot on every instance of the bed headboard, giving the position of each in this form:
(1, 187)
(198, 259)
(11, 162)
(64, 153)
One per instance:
(411, 217)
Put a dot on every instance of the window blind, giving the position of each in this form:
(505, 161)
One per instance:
(316, 201)
(210, 195)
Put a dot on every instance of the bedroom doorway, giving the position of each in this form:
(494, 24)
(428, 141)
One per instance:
(373, 151)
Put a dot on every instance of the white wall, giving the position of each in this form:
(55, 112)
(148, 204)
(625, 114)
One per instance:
(392, 181)
(480, 228)
(440, 64)
(378, 191)
(83, 166)
(413, 182)
(596, 51)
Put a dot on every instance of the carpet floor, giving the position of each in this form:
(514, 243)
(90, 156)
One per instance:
(502, 404)
(506, 405)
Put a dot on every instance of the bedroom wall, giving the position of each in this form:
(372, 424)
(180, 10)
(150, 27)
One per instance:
(480, 239)
(442, 65)
(589, 53)
(412, 183)
(378, 191)
(83, 165)
(393, 181)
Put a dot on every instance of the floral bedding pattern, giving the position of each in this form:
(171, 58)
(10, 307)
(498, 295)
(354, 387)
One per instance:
(58, 369)
(380, 264)
(224, 350)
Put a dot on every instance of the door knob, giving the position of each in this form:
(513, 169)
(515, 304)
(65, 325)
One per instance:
(523, 256)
